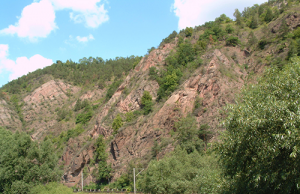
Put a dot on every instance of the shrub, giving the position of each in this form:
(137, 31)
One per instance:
(229, 29)
(232, 41)
(146, 102)
(117, 123)
(84, 117)
(262, 43)
(188, 31)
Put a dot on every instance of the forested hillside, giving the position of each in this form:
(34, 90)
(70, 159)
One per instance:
(212, 109)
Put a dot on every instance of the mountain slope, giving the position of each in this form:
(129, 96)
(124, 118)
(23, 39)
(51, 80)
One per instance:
(196, 72)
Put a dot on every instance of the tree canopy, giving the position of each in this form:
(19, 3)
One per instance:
(24, 163)
(260, 148)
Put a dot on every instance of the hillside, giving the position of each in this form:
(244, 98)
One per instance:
(136, 103)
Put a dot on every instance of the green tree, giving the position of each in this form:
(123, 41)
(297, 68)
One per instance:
(25, 163)
(260, 147)
(188, 134)
(269, 15)
(146, 102)
(232, 41)
(182, 173)
(100, 156)
(229, 29)
(117, 123)
(254, 21)
(238, 17)
(188, 31)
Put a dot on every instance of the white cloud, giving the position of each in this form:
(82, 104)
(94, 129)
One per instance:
(196, 12)
(22, 65)
(90, 12)
(85, 38)
(37, 21)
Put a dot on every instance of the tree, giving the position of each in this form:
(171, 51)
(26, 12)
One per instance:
(188, 31)
(146, 102)
(238, 17)
(260, 147)
(25, 163)
(117, 123)
(188, 133)
(232, 41)
(229, 29)
(254, 21)
(181, 172)
(269, 15)
(100, 156)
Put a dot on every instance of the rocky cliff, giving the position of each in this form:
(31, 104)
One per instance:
(214, 84)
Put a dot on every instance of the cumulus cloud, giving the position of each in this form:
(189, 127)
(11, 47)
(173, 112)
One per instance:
(22, 65)
(85, 38)
(90, 12)
(37, 21)
(196, 12)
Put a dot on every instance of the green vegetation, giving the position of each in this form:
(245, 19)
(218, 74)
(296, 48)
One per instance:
(146, 102)
(112, 88)
(258, 152)
(169, 39)
(24, 163)
(182, 173)
(260, 148)
(188, 134)
(66, 135)
(100, 156)
(232, 41)
(84, 117)
(51, 188)
(18, 107)
(88, 72)
(117, 123)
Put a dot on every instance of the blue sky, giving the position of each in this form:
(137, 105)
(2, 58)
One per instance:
(36, 33)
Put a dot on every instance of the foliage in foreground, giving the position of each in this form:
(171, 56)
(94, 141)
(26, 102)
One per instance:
(182, 173)
(24, 163)
(260, 148)
(100, 156)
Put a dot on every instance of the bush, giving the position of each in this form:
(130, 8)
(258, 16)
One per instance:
(232, 41)
(146, 102)
(84, 117)
(63, 113)
(80, 105)
(188, 133)
(117, 123)
(112, 89)
(262, 43)
(188, 31)
(169, 38)
(182, 173)
(229, 29)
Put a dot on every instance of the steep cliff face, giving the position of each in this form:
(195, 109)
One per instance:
(203, 93)
(40, 105)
